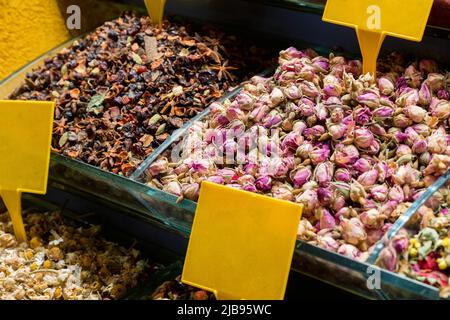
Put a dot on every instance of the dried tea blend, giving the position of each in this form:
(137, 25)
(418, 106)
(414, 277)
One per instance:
(121, 90)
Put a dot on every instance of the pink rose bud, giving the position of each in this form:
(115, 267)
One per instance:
(396, 194)
(441, 110)
(413, 76)
(332, 90)
(291, 53)
(373, 235)
(306, 110)
(276, 96)
(182, 168)
(388, 207)
(158, 167)
(323, 173)
(349, 251)
(435, 81)
(363, 138)
(370, 99)
(272, 120)
(318, 155)
(368, 178)
(377, 130)
(357, 193)
(299, 127)
(420, 146)
(300, 176)
(379, 193)
(292, 92)
(216, 179)
(439, 164)
(249, 187)
(304, 150)
(246, 179)
(353, 231)
(346, 212)
(309, 200)
(337, 131)
(424, 95)
(383, 170)
(400, 242)
(362, 165)
(415, 113)
(388, 258)
(374, 148)
(321, 63)
(282, 192)
(425, 158)
(244, 101)
(343, 175)
(386, 86)
(372, 219)
(309, 89)
(362, 115)
(326, 220)
(235, 114)
(325, 196)
(402, 121)
(259, 112)
(314, 133)
(383, 113)
(327, 242)
(264, 183)
(428, 66)
(345, 154)
(228, 174)
(402, 150)
(321, 112)
(422, 129)
(190, 191)
(291, 141)
(251, 168)
(337, 201)
(173, 187)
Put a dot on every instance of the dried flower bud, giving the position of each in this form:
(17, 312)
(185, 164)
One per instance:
(362, 115)
(327, 242)
(379, 193)
(349, 250)
(345, 154)
(370, 99)
(304, 150)
(259, 112)
(353, 231)
(424, 95)
(158, 167)
(435, 81)
(300, 176)
(276, 96)
(439, 164)
(216, 179)
(318, 155)
(372, 219)
(309, 89)
(368, 178)
(363, 138)
(396, 194)
(190, 191)
(441, 110)
(343, 175)
(309, 200)
(415, 113)
(377, 130)
(314, 132)
(357, 193)
(173, 187)
(325, 196)
(323, 173)
(362, 165)
(402, 121)
(326, 220)
(388, 258)
(386, 86)
(264, 183)
(283, 192)
(420, 146)
(244, 100)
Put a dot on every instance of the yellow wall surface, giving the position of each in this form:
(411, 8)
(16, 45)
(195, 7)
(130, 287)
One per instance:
(28, 29)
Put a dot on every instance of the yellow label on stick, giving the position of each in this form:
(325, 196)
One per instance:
(373, 19)
(241, 244)
(25, 138)
(155, 10)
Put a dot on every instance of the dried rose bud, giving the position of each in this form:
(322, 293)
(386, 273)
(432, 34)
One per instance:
(363, 138)
(428, 66)
(235, 114)
(323, 173)
(388, 258)
(309, 89)
(421, 129)
(173, 187)
(216, 179)
(396, 194)
(437, 141)
(276, 96)
(336, 131)
(408, 97)
(319, 155)
(383, 112)
(377, 130)
(259, 112)
(228, 174)
(362, 165)
(327, 242)
(370, 99)
(424, 95)
(314, 132)
(400, 241)
(441, 110)
(383, 170)
(190, 191)
(368, 178)
(244, 100)
(443, 94)
(435, 81)
(337, 201)
(345, 154)
(283, 192)
(158, 167)
(413, 76)
(388, 207)
(415, 113)
(300, 176)
(326, 220)
(402, 150)
(379, 193)
(362, 115)
(402, 121)
(357, 193)
(439, 164)
(325, 196)
(299, 127)
(373, 235)
(309, 200)
(349, 250)
(372, 219)
(272, 120)
(420, 146)
(346, 212)
(264, 183)
(343, 175)
(353, 231)
(425, 158)
(386, 86)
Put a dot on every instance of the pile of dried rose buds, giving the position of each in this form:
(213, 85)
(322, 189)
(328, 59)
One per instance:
(64, 261)
(422, 251)
(121, 90)
(354, 151)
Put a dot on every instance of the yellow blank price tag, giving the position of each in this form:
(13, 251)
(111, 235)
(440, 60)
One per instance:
(241, 244)
(25, 137)
(155, 9)
(373, 19)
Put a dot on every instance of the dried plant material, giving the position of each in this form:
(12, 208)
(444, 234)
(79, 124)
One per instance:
(64, 261)
(107, 86)
(176, 290)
